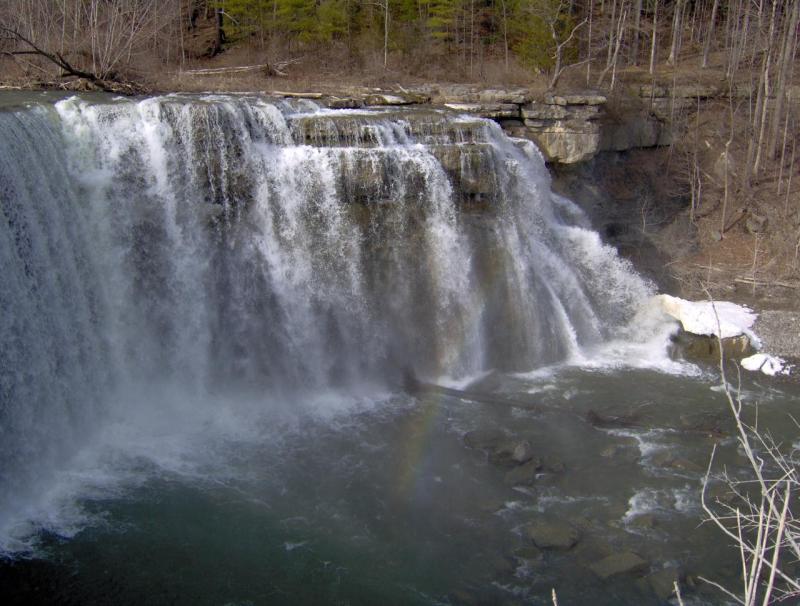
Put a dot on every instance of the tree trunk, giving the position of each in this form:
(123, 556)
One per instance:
(677, 20)
(655, 38)
(505, 32)
(709, 34)
(784, 74)
(385, 33)
(637, 20)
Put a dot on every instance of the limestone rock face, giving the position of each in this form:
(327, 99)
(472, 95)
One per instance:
(466, 94)
(494, 111)
(378, 99)
(566, 143)
(632, 132)
(579, 98)
(565, 127)
(543, 111)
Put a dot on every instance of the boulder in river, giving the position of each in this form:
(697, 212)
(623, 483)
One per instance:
(511, 453)
(552, 534)
(662, 582)
(483, 438)
(625, 562)
(524, 474)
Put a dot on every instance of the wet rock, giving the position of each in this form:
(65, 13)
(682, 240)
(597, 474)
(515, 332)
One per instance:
(491, 505)
(665, 458)
(511, 453)
(469, 167)
(462, 596)
(553, 465)
(524, 475)
(552, 534)
(704, 348)
(501, 565)
(483, 439)
(615, 450)
(720, 493)
(529, 554)
(625, 562)
(662, 583)
(491, 382)
(646, 521)
(344, 102)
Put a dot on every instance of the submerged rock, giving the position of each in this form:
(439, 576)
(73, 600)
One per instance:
(511, 453)
(483, 438)
(524, 474)
(552, 534)
(625, 562)
(665, 458)
(662, 582)
(529, 554)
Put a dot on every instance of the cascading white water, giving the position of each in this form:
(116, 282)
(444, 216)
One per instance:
(221, 244)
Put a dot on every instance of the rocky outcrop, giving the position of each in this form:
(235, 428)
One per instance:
(706, 348)
(567, 127)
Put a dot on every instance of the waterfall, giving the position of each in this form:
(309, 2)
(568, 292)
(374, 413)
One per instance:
(236, 244)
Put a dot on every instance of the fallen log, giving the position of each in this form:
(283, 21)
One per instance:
(212, 71)
(109, 85)
(269, 69)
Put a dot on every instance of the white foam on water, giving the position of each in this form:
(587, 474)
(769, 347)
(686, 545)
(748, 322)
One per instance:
(462, 382)
(646, 441)
(662, 501)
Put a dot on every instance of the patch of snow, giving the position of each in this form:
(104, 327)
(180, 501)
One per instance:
(769, 365)
(713, 318)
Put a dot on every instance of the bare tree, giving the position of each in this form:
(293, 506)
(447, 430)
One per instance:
(760, 518)
(677, 30)
(709, 34)
(654, 40)
(552, 22)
